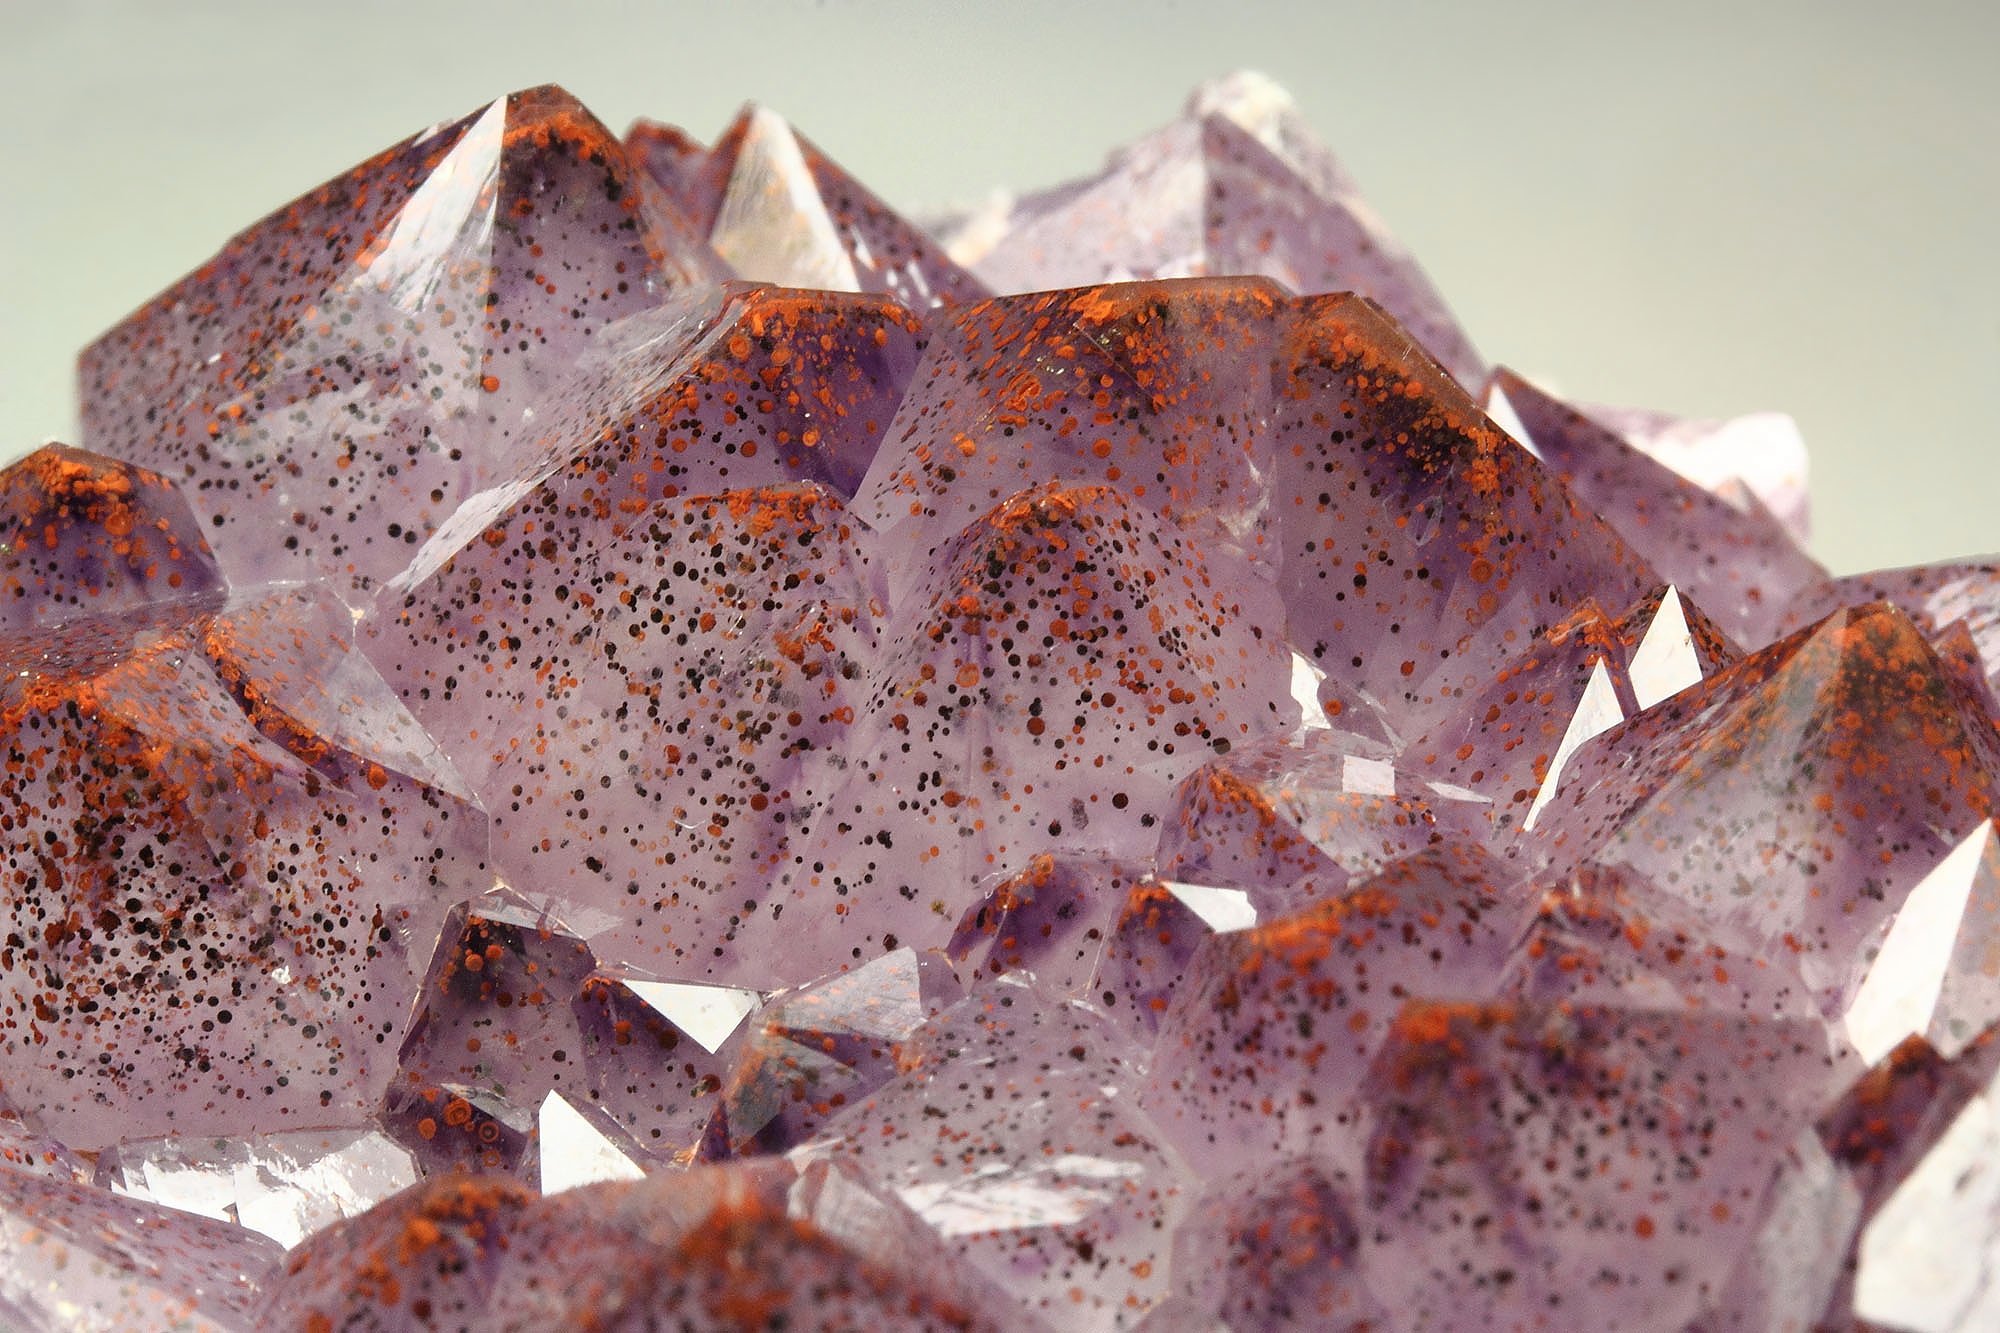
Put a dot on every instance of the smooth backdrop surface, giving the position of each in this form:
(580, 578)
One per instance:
(1704, 207)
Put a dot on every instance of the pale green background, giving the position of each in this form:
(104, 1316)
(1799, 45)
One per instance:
(1681, 206)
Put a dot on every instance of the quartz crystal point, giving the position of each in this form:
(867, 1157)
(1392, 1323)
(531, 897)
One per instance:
(1162, 390)
(1238, 185)
(1936, 973)
(1292, 821)
(778, 210)
(430, 1254)
(1764, 797)
(1739, 564)
(645, 654)
(1102, 931)
(85, 535)
(1595, 1166)
(345, 373)
(1272, 1029)
(1604, 935)
(607, 734)
(817, 1048)
(1936, 597)
(1884, 1124)
(1671, 644)
(1053, 919)
(1064, 663)
(76, 1257)
(210, 901)
(459, 1127)
(1421, 547)
(1510, 741)
(1927, 1252)
(1013, 1135)
(494, 1013)
(1760, 456)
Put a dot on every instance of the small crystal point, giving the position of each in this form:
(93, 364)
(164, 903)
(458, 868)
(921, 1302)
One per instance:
(1756, 796)
(788, 214)
(82, 534)
(387, 357)
(1744, 567)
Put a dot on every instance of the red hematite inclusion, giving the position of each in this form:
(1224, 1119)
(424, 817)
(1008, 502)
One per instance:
(611, 734)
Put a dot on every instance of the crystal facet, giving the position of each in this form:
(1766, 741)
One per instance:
(610, 734)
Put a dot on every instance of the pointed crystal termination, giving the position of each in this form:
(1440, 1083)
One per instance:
(81, 534)
(1763, 798)
(345, 373)
(72, 1256)
(1011, 1136)
(1097, 930)
(1936, 597)
(1604, 935)
(1272, 1029)
(679, 165)
(494, 1015)
(1063, 663)
(457, 1129)
(436, 1248)
(1603, 1162)
(1238, 185)
(210, 910)
(1162, 390)
(1052, 919)
(777, 209)
(644, 657)
(1510, 740)
(1743, 567)
(1291, 821)
(576, 1146)
(818, 1048)
(1671, 645)
(1880, 1130)
(1927, 1252)
(1761, 456)
(1234, 823)
(1597, 711)
(656, 755)
(1422, 548)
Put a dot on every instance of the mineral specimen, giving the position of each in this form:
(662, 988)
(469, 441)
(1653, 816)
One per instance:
(612, 734)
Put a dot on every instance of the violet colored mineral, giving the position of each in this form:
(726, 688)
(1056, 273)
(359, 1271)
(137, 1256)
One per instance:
(612, 734)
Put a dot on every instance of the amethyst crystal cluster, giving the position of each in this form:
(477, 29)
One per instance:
(610, 734)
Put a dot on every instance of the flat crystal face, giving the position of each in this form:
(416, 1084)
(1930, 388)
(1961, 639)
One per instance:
(610, 733)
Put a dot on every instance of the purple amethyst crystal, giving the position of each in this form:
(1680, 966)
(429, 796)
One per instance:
(612, 734)
(210, 901)
(85, 535)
